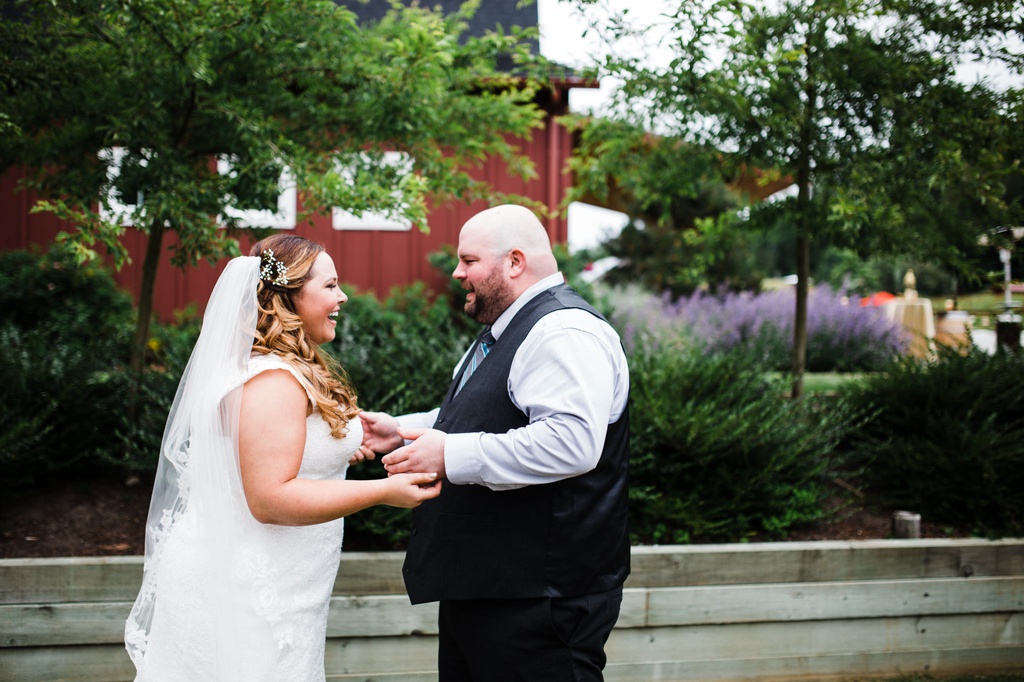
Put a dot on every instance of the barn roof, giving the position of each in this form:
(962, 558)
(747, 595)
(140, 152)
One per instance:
(490, 15)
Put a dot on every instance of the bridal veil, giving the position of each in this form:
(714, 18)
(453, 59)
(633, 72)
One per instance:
(198, 522)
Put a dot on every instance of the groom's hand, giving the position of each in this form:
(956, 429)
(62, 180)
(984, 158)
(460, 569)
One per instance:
(380, 432)
(425, 454)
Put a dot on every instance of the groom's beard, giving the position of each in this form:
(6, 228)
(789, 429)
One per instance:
(492, 297)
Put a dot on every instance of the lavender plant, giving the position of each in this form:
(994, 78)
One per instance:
(842, 336)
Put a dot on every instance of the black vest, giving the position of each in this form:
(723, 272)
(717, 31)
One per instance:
(562, 539)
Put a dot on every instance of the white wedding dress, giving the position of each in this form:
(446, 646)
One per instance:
(282, 578)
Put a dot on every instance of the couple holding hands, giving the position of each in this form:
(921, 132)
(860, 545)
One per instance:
(518, 480)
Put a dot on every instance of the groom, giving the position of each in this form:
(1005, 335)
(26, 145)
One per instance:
(527, 547)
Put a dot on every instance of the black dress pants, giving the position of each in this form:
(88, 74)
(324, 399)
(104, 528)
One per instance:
(526, 640)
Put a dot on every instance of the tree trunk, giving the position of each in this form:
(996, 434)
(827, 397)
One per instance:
(803, 269)
(803, 238)
(137, 362)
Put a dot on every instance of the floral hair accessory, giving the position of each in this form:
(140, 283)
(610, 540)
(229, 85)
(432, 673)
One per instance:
(273, 271)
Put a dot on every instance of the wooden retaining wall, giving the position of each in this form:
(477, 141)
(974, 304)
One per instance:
(773, 611)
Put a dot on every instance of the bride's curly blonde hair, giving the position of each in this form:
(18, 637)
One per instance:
(286, 262)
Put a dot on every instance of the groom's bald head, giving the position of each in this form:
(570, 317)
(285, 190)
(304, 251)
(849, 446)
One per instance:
(510, 227)
(503, 251)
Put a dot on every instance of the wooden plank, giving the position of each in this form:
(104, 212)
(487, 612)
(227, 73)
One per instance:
(405, 659)
(40, 581)
(37, 581)
(25, 581)
(833, 600)
(98, 663)
(380, 616)
(375, 656)
(370, 573)
(26, 625)
(857, 666)
(633, 612)
(816, 638)
(748, 624)
(783, 562)
(386, 677)
(110, 663)
(44, 625)
(393, 615)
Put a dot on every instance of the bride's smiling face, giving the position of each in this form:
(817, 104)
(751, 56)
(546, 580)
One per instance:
(319, 300)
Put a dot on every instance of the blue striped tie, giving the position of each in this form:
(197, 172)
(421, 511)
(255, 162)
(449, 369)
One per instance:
(483, 347)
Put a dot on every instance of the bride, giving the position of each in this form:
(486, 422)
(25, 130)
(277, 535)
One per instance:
(245, 525)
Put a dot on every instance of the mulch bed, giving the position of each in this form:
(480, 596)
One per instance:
(107, 516)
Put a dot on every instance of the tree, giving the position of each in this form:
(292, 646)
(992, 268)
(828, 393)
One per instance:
(681, 234)
(859, 102)
(109, 100)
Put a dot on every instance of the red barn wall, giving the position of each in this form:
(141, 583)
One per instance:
(370, 260)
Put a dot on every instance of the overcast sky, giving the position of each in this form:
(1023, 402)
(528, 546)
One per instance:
(562, 40)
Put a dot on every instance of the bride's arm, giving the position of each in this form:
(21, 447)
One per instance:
(271, 438)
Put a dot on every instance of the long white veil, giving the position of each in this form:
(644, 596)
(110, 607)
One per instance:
(198, 495)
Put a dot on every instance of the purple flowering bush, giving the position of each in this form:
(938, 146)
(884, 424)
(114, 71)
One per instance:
(841, 335)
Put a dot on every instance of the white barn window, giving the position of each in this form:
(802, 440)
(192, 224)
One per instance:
(115, 209)
(287, 203)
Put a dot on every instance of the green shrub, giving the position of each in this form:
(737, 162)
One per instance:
(718, 451)
(63, 376)
(65, 383)
(52, 293)
(52, 390)
(65, 334)
(947, 440)
(169, 349)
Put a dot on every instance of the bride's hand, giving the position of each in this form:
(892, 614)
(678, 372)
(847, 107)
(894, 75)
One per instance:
(411, 490)
(361, 455)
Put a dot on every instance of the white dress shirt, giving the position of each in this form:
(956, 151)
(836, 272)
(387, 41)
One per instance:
(570, 378)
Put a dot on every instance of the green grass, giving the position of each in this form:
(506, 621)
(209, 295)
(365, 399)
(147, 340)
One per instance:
(980, 304)
(827, 382)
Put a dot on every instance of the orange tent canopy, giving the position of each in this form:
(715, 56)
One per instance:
(877, 299)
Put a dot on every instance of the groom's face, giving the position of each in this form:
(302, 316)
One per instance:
(484, 275)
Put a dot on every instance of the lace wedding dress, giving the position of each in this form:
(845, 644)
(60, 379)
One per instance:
(279, 583)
